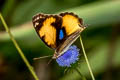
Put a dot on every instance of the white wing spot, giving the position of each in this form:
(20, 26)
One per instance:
(36, 24)
(37, 18)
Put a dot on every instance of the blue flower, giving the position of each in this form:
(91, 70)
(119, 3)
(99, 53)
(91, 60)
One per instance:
(69, 57)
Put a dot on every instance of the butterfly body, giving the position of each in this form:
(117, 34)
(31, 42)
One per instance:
(58, 31)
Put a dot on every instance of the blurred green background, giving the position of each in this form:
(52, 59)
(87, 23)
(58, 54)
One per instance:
(101, 39)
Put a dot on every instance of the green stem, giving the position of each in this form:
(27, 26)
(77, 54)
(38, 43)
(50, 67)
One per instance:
(18, 48)
(82, 77)
(91, 73)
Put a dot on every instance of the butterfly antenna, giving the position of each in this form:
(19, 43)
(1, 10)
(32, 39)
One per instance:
(86, 25)
(42, 57)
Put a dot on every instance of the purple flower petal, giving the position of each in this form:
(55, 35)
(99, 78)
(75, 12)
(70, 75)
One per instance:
(69, 57)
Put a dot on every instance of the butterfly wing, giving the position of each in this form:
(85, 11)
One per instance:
(72, 26)
(46, 26)
(71, 23)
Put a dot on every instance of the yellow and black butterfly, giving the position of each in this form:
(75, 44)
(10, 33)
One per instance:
(58, 31)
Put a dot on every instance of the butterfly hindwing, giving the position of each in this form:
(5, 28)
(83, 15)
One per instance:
(72, 26)
(71, 23)
(47, 27)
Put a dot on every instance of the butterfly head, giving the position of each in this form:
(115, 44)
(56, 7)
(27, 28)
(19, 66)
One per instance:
(58, 53)
(55, 56)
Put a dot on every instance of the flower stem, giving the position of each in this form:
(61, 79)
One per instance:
(18, 48)
(90, 70)
(82, 77)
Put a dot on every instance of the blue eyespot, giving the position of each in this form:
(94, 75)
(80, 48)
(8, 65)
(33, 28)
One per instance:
(61, 34)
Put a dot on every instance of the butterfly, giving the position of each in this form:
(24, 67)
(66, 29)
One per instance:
(58, 31)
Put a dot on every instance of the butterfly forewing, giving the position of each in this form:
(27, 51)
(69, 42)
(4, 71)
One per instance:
(46, 26)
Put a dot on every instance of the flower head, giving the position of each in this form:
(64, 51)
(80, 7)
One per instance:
(69, 57)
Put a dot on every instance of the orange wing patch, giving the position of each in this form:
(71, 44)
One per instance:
(49, 32)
